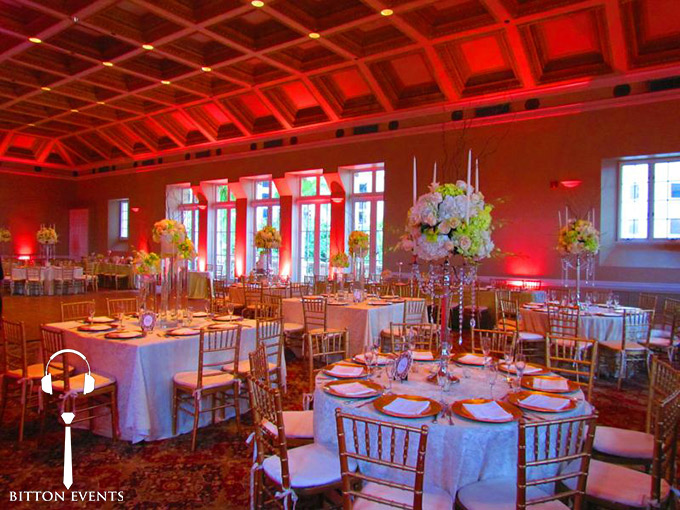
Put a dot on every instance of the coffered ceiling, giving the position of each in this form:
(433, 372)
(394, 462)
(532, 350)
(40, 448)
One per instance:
(87, 82)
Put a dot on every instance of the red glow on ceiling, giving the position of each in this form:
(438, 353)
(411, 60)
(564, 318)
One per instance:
(351, 83)
(183, 121)
(217, 113)
(255, 105)
(573, 35)
(299, 95)
(23, 141)
(412, 70)
(662, 18)
(483, 55)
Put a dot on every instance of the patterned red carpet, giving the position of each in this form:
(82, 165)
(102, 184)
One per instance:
(166, 474)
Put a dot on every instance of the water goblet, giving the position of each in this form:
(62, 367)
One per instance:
(121, 316)
(442, 380)
(486, 348)
(492, 376)
(520, 366)
(230, 308)
(615, 300)
(369, 357)
(90, 311)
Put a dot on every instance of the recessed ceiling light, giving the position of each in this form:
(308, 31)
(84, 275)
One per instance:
(35, 40)
(107, 64)
(206, 69)
(314, 35)
(165, 82)
(147, 47)
(257, 3)
(74, 110)
(46, 89)
(101, 102)
(387, 12)
(32, 125)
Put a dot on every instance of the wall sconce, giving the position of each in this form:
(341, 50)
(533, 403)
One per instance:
(337, 197)
(134, 209)
(572, 183)
(202, 207)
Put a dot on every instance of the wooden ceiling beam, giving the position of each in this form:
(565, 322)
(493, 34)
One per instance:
(617, 40)
(233, 118)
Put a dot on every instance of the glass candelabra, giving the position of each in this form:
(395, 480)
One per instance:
(441, 282)
(581, 262)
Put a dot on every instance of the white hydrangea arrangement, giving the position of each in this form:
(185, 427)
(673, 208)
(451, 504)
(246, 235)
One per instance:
(267, 238)
(47, 235)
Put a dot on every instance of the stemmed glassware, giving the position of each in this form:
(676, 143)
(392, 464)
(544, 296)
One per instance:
(442, 380)
(492, 376)
(391, 373)
(486, 349)
(520, 366)
(230, 308)
(90, 311)
(508, 358)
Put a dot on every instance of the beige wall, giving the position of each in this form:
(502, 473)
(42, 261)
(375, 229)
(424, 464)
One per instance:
(517, 160)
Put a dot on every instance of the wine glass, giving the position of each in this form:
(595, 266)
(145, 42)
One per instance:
(492, 376)
(90, 311)
(369, 357)
(520, 366)
(442, 380)
(121, 316)
(615, 300)
(486, 348)
(230, 308)
(390, 373)
(190, 316)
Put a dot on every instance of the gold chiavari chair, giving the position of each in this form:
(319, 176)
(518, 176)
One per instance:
(499, 341)
(215, 349)
(269, 333)
(647, 301)
(19, 379)
(70, 388)
(127, 306)
(574, 358)
(423, 336)
(550, 453)
(324, 348)
(253, 293)
(76, 311)
(299, 425)
(533, 344)
(315, 313)
(668, 313)
(561, 295)
(220, 294)
(414, 313)
(563, 320)
(396, 450)
(280, 475)
(637, 326)
(634, 447)
(500, 294)
(34, 281)
(292, 331)
(663, 344)
(299, 290)
(615, 486)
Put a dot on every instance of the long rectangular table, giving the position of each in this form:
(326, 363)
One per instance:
(363, 321)
(47, 276)
(143, 369)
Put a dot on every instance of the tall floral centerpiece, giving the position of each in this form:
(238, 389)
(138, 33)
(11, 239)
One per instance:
(578, 242)
(5, 238)
(187, 253)
(170, 234)
(450, 224)
(340, 262)
(147, 267)
(47, 238)
(268, 239)
(358, 243)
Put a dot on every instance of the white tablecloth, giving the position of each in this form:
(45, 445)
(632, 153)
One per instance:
(363, 321)
(143, 369)
(591, 325)
(47, 275)
(456, 455)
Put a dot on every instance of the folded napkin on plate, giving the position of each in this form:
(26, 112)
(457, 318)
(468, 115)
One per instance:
(346, 371)
(353, 389)
(545, 402)
(185, 331)
(228, 318)
(406, 406)
(422, 355)
(527, 370)
(488, 411)
(95, 327)
(551, 383)
(473, 359)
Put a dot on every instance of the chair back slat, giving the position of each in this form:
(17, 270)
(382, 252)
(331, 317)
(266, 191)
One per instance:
(15, 349)
(314, 313)
(574, 358)
(499, 341)
(637, 327)
(667, 416)
(394, 448)
(509, 308)
(269, 333)
(76, 310)
(670, 308)
(259, 368)
(324, 348)
(558, 446)
(422, 336)
(563, 320)
(121, 305)
(52, 341)
(664, 380)
(217, 348)
(414, 311)
(647, 301)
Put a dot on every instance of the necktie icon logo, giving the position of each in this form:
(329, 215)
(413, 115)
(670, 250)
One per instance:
(67, 417)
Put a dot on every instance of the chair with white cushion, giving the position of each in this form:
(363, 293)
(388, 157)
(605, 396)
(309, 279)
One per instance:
(665, 324)
(215, 348)
(499, 341)
(70, 389)
(280, 475)
(573, 358)
(615, 486)
(637, 325)
(414, 313)
(634, 447)
(540, 465)
(299, 425)
(533, 344)
(668, 340)
(397, 451)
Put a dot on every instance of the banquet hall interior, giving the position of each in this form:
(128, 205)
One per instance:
(345, 254)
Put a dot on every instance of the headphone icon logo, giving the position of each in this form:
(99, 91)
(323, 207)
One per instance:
(46, 381)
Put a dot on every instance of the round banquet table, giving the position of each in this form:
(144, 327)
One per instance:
(596, 322)
(458, 454)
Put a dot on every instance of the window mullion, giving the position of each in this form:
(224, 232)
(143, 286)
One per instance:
(650, 200)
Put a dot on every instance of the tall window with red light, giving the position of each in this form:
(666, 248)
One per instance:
(225, 232)
(315, 226)
(368, 210)
(267, 211)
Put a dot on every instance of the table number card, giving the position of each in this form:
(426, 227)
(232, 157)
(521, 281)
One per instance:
(147, 321)
(403, 366)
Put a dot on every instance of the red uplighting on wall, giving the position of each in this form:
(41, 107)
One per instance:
(24, 257)
(572, 183)
(524, 284)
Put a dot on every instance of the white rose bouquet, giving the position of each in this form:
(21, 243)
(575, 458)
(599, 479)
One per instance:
(578, 237)
(47, 235)
(449, 220)
(267, 238)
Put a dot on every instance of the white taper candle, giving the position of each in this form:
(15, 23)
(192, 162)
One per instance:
(434, 173)
(415, 180)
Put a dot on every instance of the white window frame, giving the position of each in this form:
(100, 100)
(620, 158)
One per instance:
(650, 162)
(374, 197)
(124, 210)
(193, 207)
(318, 200)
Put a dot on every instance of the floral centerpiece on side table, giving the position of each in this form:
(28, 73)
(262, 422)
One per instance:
(147, 266)
(267, 239)
(578, 241)
(47, 237)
